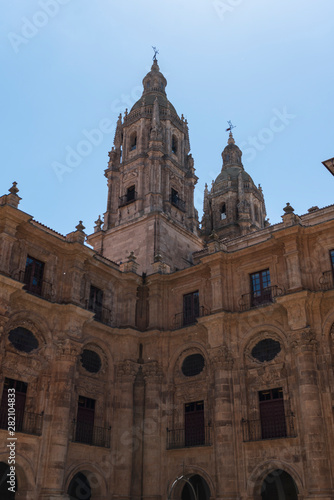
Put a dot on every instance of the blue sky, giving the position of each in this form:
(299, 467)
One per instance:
(71, 66)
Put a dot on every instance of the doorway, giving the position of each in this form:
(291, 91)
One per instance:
(279, 485)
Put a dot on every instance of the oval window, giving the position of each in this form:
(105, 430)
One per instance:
(193, 365)
(22, 339)
(266, 350)
(91, 361)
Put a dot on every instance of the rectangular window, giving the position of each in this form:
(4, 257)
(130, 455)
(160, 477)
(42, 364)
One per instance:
(96, 301)
(260, 288)
(190, 308)
(33, 275)
(174, 197)
(20, 401)
(85, 420)
(194, 431)
(130, 194)
(272, 414)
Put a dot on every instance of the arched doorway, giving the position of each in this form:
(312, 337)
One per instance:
(200, 486)
(279, 485)
(79, 488)
(4, 493)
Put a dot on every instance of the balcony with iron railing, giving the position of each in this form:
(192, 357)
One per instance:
(177, 202)
(127, 199)
(42, 289)
(181, 319)
(260, 297)
(183, 438)
(257, 430)
(101, 313)
(25, 422)
(91, 434)
(326, 281)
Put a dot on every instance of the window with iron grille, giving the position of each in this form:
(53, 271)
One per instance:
(266, 350)
(91, 361)
(260, 287)
(190, 307)
(20, 401)
(96, 301)
(193, 365)
(85, 420)
(273, 424)
(22, 339)
(33, 275)
(194, 431)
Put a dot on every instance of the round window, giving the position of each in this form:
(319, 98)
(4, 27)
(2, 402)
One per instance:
(266, 350)
(91, 361)
(22, 339)
(193, 365)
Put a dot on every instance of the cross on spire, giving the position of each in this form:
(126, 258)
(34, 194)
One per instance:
(230, 126)
(155, 53)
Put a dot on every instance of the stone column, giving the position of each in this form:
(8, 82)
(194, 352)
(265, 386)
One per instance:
(222, 438)
(58, 436)
(123, 429)
(152, 432)
(311, 421)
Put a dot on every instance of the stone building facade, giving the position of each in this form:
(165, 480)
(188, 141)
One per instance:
(167, 360)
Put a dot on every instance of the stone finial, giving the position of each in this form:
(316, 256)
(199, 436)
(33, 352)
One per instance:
(288, 209)
(130, 265)
(131, 257)
(125, 113)
(14, 189)
(158, 257)
(80, 227)
(313, 209)
(98, 224)
(230, 138)
(182, 117)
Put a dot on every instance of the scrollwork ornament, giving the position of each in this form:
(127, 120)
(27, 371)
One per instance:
(67, 350)
(305, 341)
(222, 358)
(152, 372)
(127, 369)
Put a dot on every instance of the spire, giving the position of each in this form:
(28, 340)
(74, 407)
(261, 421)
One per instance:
(231, 138)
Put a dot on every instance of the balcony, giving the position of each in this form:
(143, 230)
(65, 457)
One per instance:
(128, 198)
(180, 320)
(180, 438)
(90, 434)
(260, 298)
(26, 422)
(102, 314)
(326, 281)
(177, 202)
(42, 289)
(257, 430)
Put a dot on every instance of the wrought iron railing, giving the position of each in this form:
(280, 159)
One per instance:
(26, 422)
(326, 281)
(257, 430)
(177, 202)
(102, 313)
(90, 434)
(43, 289)
(184, 438)
(127, 199)
(180, 319)
(260, 298)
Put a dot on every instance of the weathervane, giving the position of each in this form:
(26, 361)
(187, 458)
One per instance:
(155, 53)
(231, 127)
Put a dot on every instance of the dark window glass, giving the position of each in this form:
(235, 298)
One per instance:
(174, 196)
(130, 194)
(23, 339)
(260, 287)
(20, 401)
(33, 276)
(91, 361)
(133, 142)
(190, 308)
(96, 301)
(272, 415)
(85, 420)
(194, 423)
(223, 212)
(193, 365)
(266, 350)
(174, 144)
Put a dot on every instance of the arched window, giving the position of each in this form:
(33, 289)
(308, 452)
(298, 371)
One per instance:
(256, 213)
(133, 141)
(79, 488)
(223, 212)
(174, 144)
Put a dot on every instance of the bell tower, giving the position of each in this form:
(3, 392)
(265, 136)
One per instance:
(151, 180)
(234, 206)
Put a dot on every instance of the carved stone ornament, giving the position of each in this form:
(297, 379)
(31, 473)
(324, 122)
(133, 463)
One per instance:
(305, 341)
(222, 358)
(269, 375)
(67, 350)
(152, 372)
(127, 369)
